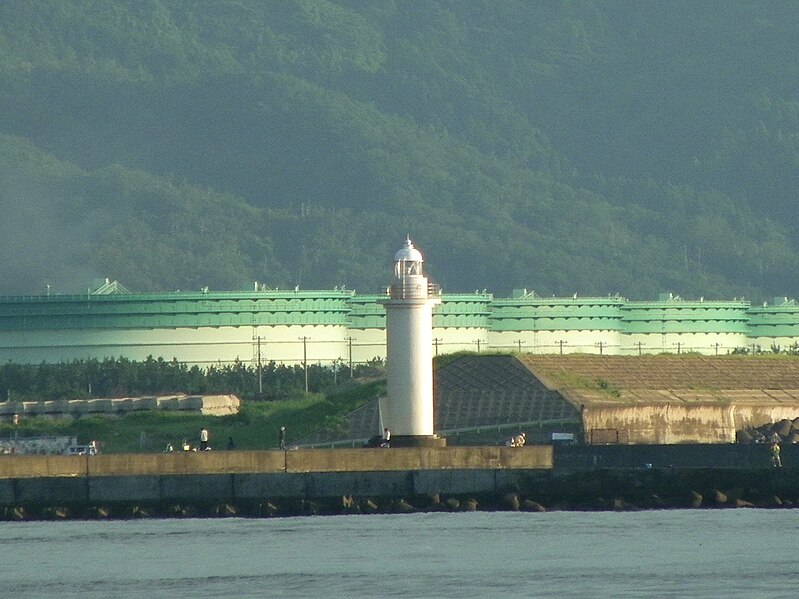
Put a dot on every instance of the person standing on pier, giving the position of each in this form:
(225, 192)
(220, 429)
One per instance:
(203, 439)
(281, 437)
(775, 455)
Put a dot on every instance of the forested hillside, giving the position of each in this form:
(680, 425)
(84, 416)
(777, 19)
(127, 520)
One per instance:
(577, 146)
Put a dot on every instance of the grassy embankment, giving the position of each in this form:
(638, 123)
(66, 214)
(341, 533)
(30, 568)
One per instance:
(254, 427)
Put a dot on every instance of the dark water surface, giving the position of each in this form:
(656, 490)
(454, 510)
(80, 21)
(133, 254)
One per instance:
(675, 553)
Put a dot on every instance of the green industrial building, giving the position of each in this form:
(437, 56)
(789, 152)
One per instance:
(323, 326)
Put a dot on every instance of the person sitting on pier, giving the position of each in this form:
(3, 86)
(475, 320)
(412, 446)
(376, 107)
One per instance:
(519, 440)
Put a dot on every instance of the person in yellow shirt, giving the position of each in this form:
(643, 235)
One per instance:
(775, 455)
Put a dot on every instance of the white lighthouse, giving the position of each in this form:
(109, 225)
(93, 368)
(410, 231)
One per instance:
(408, 412)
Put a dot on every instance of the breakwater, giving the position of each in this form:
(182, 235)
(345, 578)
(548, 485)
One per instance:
(275, 483)
(253, 482)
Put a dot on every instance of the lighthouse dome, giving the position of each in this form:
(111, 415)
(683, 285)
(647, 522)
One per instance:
(408, 253)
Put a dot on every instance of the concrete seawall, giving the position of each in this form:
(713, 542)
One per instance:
(266, 483)
(235, 476)
(254, 462)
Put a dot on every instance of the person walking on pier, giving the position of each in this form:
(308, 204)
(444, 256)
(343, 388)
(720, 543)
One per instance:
(386, 442)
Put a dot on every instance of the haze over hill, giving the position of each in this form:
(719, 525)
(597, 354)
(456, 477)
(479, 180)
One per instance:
(592, 147)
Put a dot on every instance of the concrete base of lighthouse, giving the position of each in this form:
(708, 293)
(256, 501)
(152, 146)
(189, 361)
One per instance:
(417, 441)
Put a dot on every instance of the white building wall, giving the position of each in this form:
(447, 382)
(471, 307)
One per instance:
(703, 343)
(368, 344)
(553, 342)
(201, 346)
(451, 340)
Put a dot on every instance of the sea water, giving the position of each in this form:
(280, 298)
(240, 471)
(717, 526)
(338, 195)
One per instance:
(675, 553)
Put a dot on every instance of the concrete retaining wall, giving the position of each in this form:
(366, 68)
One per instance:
(233, 488)
(251, 475)
(671, 423)
(718, 456)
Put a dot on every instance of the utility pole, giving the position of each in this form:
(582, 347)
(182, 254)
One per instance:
(520, 343)
(305, 360)
(600, 345)
(477, 341)
(639, 344)
(561, 343)
(349, 349)
(436, 341)
(260, 371)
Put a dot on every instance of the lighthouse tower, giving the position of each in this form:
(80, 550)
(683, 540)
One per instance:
(408, 411)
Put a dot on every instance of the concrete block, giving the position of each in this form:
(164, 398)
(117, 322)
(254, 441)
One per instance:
(124, 464)
(98, 406)
(34, 408)
(193, 403)
(9, 408)
(248, 461)
(197, 487)
(169, 403)
(60, 407)
(336, 484)
(121, 406)
(453, 481)
(271, 484)
(460, 457)
(533, 457)
(353, 460)
(186, 462)
(52, 491)
(104, 489)
(32, 466)
(145, 403)
(220, 405)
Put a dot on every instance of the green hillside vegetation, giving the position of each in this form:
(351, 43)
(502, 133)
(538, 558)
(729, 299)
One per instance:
(254, 427)
(573, 146)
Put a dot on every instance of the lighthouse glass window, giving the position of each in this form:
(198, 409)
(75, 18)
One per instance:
(407, 268)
